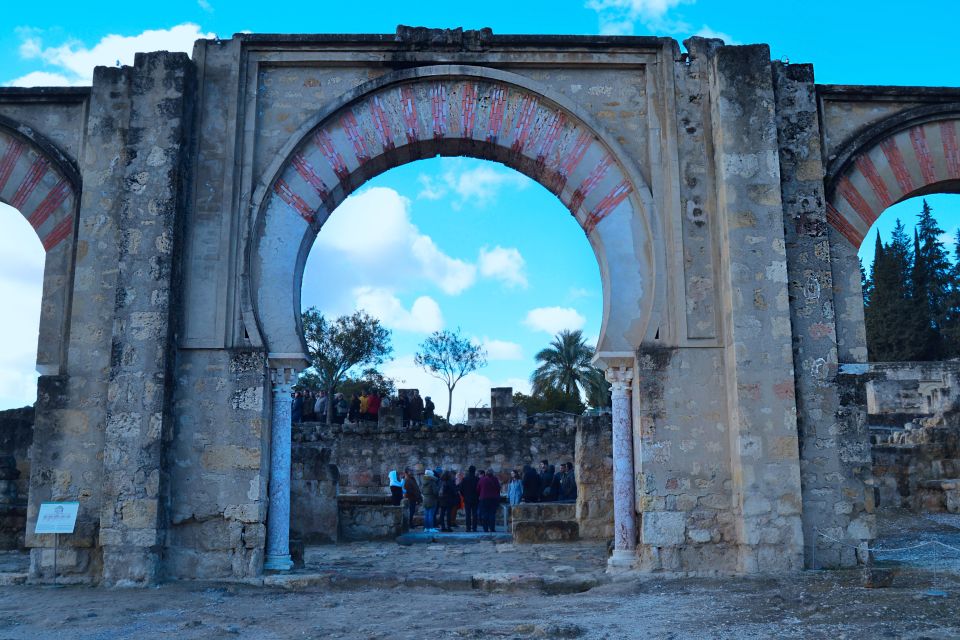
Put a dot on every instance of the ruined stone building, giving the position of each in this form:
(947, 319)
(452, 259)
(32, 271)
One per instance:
(725, 196)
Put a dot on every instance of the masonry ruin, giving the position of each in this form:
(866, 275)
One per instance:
(725, 196)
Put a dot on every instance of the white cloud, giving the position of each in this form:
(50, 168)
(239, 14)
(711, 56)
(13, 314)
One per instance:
(706, 32)
(73, 62)
(501, 349)
(424, 316)
(621, 17)
(450, 274)
(477, 187)
(369, 241)
(503, 264)
(575, 293)
(205, 5)
(21, 289)
(618, 17)
(552, 320)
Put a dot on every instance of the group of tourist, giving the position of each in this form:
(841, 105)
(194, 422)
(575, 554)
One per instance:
(443, 493)
(310, 406)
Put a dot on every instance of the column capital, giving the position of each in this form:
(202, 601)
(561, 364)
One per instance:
(282, 378)
(620, 378)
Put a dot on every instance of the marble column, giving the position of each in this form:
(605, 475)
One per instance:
(624, 504)
(278, 515)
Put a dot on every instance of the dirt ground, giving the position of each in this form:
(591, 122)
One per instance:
(385, 591)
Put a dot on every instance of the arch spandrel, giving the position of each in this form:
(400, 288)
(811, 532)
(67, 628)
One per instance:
(913, 159)
(454, 111)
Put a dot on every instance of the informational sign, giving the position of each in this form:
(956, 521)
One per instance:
(57, 517)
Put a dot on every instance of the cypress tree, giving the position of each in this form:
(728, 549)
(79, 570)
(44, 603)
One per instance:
(930, 286)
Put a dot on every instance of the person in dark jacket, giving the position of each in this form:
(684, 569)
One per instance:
(471, 497)
(411, 491)
(546, 481)
(353, 414)
(296, 409)
(428, 409)
(488, 488)
(429, 491)
(416, 409)
(531, 484)
(449, 498)
(568, 484)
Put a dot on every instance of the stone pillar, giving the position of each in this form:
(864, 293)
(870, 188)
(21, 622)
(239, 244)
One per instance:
(624, 509)
(278, 515)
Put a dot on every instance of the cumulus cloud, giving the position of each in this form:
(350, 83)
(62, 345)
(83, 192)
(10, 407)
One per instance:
(501, 349)
(72, 62)
(21, 288)
(479, 186)
(621, 17)
(424, 316)
(503, 264)
(369, 241)
(552, 320)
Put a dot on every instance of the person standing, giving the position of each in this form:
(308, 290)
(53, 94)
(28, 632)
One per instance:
(515, 488)
(471, 497)
(459, 505)
(341, 408)
(531, 484)
(404, 403)
(416, 408)
(296, 408)
(411, 491)
(320, 407)
(364, 405)
(396, 489)
(448, 499)
(428, 409)
(429, 491)
(568, 484)
(546, 481)
(373, 406)
(353, 414)
(488, 488)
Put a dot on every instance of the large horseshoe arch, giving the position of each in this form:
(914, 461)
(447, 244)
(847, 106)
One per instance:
(452, 111)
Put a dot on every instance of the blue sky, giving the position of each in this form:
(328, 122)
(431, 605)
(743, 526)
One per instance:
(471, 244)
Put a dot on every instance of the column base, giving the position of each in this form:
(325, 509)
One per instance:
(622, 560)
(278, 563)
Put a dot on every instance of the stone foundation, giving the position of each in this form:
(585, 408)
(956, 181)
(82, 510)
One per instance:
(544, 522)
(364, 517)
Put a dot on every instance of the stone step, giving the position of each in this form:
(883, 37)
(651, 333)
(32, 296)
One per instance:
(457, 537)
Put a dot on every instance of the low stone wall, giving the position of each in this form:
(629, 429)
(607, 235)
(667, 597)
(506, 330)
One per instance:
(368, 518)
(593, 467)
(16, 436)
(537, 523)
(917, 469)
(900, 392)
(365, 454)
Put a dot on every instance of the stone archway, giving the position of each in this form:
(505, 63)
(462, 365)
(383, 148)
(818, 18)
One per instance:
(912, 158)
(451, 111)
(39, 181)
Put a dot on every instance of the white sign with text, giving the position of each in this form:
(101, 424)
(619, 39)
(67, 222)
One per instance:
(57, 517)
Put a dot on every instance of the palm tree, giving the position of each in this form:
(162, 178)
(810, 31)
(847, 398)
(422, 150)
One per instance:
(564, 366)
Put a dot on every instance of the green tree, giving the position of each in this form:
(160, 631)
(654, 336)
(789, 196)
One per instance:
(369, 380)
(549, 400)
(348, 343)
(930, 283)
(951, 328)
(565, 366)
(448, 356)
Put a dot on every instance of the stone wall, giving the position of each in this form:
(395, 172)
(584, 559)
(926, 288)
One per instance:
(16, 436)
(900, 392)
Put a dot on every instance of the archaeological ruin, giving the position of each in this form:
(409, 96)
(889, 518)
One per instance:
(725, 196)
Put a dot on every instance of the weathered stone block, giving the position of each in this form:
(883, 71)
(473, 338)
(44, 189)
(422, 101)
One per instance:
(663, 528)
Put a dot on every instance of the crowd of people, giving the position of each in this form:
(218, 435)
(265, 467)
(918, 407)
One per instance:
(311, 406)
(444, 493)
